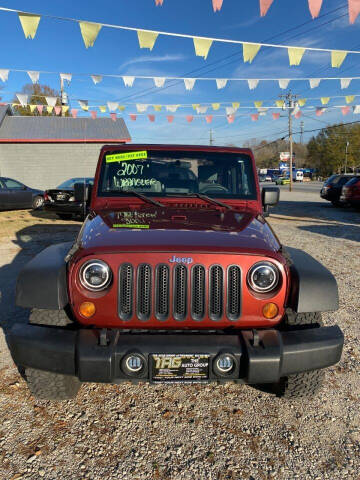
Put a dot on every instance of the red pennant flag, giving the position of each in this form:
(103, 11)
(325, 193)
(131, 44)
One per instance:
(159, 2)
(74, 112)
(113, 116)
(298, 114)
(345, 110)
(217, 4)
(170, 118)
(315, 7)
(254, 117)
(132, 117)
(40, 108)
(230, 118)
(93, 114)
(189, 118)
(276, 116)
(319, 111)
(151, 118)
(264, 6)
(57, 110)
(208, 118)
(354, 10)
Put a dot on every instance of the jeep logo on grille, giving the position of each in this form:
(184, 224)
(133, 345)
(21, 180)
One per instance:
(186, 260)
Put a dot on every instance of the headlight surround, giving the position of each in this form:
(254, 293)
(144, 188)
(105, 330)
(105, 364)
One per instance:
(95, 275)
(263, 277)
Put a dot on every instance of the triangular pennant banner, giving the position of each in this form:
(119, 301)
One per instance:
(319, 111)
(40, 108)
(195, 106)
(221, 83)
(151, 118)
(29, 24)
(74, 112)
(157, 108)
(51, 101)
(64, 108)
(93, 114)
(189, 83)
(275, 116)
(229, 110)
(89, 32)
(23, 98)
(230, 118)
(128, 81)
(57, 110)
(202, 47)
(314, 82)
(253, 83)
(34, 76)
(350, 98)
(264, 6)
(295, 55)
(301, 102)
(201, 110)
(84, 105)
(189, 118)
(325, 100)
(345, 110)
(215, 106)
(279, 103)
(132, 117)
(283, 83)
(254, 117)
(258, 104)
(4, 75)
(356, 109)
(235, 105)
(208, 118)
(113, 116)
(298, 114)
(121, 108)
(172, 108)
(66, 76)
(49, 108)
(170, 118)
(32, 108)
(141, 107)
(96, 78)
(345, 82)
(250, 51)
(354, 10)
(159, 2)
(315, 7)
(112, 106)
(147, 39)
(337, 58)
(217, 4)
(159, 81)
(102, 108)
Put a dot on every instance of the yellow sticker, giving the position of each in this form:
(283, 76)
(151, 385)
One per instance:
(122, 157)
(129, 225)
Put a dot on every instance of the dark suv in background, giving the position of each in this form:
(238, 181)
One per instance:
(15, 195)
(332, 188)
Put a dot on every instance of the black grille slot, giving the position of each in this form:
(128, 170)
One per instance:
(162, 286)
(180, 292)
(216, 292)
(198, 290)
(234, 293)
(126, 278)
(144, 291)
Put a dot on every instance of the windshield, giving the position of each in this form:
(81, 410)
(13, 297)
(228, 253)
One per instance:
(166, 173)
(71, 182)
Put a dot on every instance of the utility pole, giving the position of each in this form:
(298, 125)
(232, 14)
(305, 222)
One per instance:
(290, 103)
(301, 131)
(211, 140)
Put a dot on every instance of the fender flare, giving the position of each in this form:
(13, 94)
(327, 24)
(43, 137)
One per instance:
(313, 287)
(42, 283)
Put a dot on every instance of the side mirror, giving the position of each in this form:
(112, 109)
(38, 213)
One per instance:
(82, 192)
(270, 197)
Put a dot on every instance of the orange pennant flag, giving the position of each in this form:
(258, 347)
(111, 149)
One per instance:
(315, 7)
(217, 4)
(354, 10)
(264, 6)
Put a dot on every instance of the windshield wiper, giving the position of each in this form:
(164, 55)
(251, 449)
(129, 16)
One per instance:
(143, 197)
(206, 199)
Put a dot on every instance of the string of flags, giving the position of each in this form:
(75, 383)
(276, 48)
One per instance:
(314, 7)
(147, 39)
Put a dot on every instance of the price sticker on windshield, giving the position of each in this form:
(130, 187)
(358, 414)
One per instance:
(124, 157)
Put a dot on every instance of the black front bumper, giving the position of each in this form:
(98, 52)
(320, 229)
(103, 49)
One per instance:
(93, 355)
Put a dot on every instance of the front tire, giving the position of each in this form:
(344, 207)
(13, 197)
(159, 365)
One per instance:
(48, 385)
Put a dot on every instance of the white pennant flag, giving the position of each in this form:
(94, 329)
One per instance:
(4, 75)
(253, 83)
(23, 98)
(230, 110)
(345, 82)
(283, 83)
(189, 83)
(96, 78)
(34, 76)
(141, 107)
(66, 76)
(314, 82)
(159, 81)
(51, 101)
(172, 108)
(201, 110)
(112, 106)
(83, 104)
(128, 81)
(356, 109)
(221, 83)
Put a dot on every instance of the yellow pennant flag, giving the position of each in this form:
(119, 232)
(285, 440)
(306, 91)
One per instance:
(32, 108)
(337, 58)
(250, 51)
(202, 47)
(325, 100)
(89, 32)
(279, 103)
(121, 108)
(102, 108)
(301, 102)
(64, 108)
(295, 55)
(215, 106)
(350, 98)
(49, 108)
(258, 104)
(235, 105)
(147, 39)
(195, 106)
(85, 108)
(29, 24)
(157, 108)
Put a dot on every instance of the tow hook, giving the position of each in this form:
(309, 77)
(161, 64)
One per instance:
(256, 338)
(103, 338)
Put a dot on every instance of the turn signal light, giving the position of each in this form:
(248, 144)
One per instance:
(87, 309)
(270, 310)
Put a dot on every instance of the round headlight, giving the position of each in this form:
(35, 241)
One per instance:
(263, 277)
(95, 275)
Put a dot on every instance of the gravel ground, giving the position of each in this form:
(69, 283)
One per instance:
(193, 432)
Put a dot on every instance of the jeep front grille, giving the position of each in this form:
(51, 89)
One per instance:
(179, 291)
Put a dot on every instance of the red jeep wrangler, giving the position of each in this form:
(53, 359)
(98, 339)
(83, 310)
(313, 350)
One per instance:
(175, 276)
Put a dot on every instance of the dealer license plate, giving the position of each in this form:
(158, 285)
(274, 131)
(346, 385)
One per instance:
(60, 197)
(179, 368)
